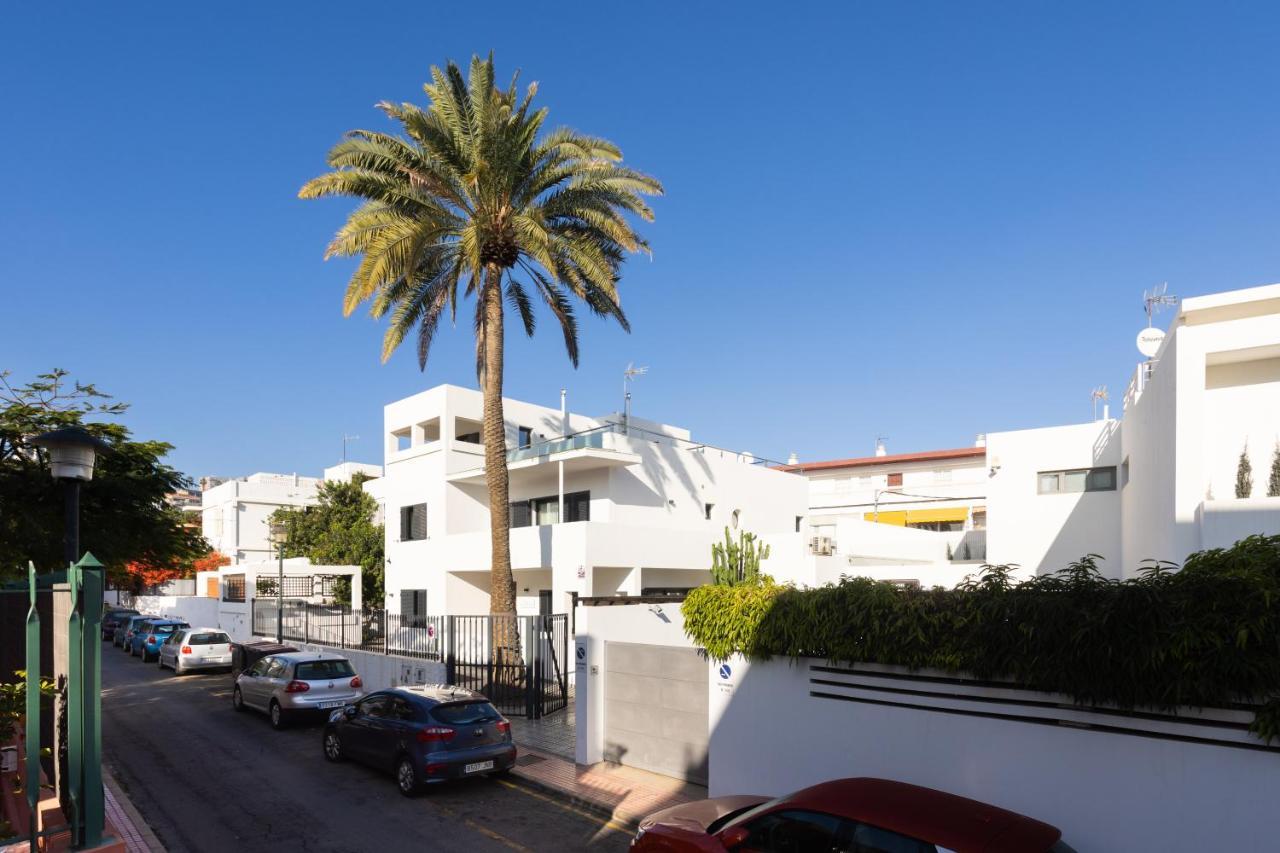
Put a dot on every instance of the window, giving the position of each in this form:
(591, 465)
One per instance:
(260, 668)
(942, 475)
(465, 713)
(979, 518)
(546, 510)
(233, 588)
(210, 639)
(873, 839)
(524, 437)
(706, 511)
(402, 709)
(895, 479)
(1076, 480)
(321, 670)
(795, 831)
(403, 439)
(276, 668)
(413, 522)
(799, 521)
(413, 607)
(374, 706)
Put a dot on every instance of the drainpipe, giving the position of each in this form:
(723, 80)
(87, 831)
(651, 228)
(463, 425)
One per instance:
(564, 431)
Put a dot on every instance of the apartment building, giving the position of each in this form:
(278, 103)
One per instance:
(598, 506)
(234, 512)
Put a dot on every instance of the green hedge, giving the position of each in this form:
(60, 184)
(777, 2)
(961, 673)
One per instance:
(1208, 635)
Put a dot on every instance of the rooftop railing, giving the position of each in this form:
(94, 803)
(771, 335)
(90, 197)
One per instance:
(601, 438)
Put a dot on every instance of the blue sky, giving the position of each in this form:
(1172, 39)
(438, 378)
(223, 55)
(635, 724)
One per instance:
(921, 220)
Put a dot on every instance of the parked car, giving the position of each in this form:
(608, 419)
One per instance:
(424, 735)
(295, 683)
(190, 649)
(112, 619)
(150, 634)
(848, 814)
(128, 625)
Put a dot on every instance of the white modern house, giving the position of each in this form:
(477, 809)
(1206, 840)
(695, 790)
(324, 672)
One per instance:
(1158, 483)
(234, 512)
(599, 506)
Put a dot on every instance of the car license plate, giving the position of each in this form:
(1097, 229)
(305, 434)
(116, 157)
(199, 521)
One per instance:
(478, 766)
(330, 705)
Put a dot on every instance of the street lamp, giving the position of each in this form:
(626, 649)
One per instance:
(279, 534)
(72, 452)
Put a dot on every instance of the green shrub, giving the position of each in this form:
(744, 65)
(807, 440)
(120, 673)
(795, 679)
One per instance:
(1206, 635)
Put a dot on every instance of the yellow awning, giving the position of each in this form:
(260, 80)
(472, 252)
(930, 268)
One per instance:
(903, 517)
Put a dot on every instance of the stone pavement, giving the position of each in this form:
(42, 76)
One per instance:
(132, 829)
(624, 794)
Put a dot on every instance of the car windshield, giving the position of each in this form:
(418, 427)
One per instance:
(466, 713)
(740, 815)
(319, 670)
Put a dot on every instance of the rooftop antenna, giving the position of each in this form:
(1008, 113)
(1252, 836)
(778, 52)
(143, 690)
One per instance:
(880, 440)
(345, 440)
(1099, 393)
(628, 376)
(1155, 299)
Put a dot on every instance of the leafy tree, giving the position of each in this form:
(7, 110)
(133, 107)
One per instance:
(1273, 484)
(1244, 475)
(738, 563)
(123, 514)
(476, 197)
(339, 531)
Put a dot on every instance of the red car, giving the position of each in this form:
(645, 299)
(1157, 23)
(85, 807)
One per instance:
(847, 816)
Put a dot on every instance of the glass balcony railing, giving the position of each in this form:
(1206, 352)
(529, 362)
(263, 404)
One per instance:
(594, 438)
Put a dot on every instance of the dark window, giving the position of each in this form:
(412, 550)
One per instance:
(796, 831)
(524, 436)
(465, 713)
(260, 667)
(233, 588)
(706, 511)
(1076, 480)
(276, 668)
(469, 437)
(873, 839)
(413, 607)
(402, 709)
(799, 521)
(546, 510)
(319, 670)
(208, 639)
(413, 522)
(374, 706)
(895, 479)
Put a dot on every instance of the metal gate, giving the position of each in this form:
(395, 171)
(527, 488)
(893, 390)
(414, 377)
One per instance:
(530, 679)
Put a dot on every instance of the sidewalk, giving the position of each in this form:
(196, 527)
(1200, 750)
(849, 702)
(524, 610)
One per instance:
(129, 825)
(624, 794)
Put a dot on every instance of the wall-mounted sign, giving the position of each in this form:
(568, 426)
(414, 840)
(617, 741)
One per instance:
(725, 671)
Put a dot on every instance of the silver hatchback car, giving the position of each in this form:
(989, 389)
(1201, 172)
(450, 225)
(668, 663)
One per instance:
(190, 649)
(289, 685)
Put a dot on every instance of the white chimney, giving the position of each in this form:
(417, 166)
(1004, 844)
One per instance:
(980, 440)
(880, 451)
(793, 459)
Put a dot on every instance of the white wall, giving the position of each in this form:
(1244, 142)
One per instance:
(197, 611)
(1107, 792)
(618, 623)
(381, 672)
(1043, 533)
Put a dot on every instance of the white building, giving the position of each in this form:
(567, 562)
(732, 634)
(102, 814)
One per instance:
(234, 513)
(1159, 483)
(608, 509)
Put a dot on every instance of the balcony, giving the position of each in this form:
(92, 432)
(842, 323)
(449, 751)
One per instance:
(602, 447)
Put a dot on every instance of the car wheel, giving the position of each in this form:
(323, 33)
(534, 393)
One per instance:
(407, 777)
(333, 746)
(237, 701)
(278, 718)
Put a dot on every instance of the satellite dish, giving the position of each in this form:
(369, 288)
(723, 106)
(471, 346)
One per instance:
(1149, 341)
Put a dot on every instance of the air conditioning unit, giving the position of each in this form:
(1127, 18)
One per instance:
(823, 545)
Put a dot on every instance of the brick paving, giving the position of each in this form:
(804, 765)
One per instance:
(129, 825)
(625, 794)
(555, 733)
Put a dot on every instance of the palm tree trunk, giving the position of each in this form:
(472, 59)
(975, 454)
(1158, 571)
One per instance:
(502, 594)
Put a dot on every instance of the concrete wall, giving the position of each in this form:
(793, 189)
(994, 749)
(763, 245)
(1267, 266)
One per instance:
(1043, 533)
(1109, 792)
(380, 672)
(1223, 523)
(197, 611)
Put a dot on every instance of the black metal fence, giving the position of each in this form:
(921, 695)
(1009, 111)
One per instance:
(530, 678)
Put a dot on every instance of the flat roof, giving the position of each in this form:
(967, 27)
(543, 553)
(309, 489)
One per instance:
(889, 459)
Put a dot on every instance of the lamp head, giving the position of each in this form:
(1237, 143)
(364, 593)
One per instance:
(72, 452)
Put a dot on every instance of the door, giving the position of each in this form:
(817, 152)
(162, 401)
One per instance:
(544, 602)
(251, 682)
(169, 649)
(358, 731)
(655, 709)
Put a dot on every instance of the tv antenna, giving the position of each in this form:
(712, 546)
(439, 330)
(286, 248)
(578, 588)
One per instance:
(1155, 299)
(345, 440)
(1099, 393)
(628, 376)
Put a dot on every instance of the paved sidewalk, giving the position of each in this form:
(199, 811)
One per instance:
(624, 794)
(133, 830)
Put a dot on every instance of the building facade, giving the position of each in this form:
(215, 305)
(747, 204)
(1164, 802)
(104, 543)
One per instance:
(597, 506)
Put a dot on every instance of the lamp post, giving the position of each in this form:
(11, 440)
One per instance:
(279, 535)
(72, 453)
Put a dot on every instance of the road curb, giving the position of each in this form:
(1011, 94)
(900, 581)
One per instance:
(600, 809)
(126, 805)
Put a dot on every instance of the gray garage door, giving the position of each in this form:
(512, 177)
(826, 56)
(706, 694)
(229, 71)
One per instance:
(655, 709)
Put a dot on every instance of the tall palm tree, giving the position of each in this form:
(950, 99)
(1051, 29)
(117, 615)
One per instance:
(474, 198)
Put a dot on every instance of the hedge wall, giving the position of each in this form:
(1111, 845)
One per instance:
(1208, 635)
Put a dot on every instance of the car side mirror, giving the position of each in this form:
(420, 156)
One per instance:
(734, 837)
(349, 711)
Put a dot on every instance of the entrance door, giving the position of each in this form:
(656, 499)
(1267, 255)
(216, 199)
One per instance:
(544, 602)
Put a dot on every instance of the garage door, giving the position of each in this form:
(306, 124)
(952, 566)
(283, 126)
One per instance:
(655, 709)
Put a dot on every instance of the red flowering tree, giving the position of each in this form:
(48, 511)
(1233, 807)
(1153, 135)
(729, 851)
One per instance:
(139, 574)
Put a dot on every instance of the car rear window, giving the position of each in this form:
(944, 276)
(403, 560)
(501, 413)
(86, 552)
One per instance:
(166, 629)
(465, 713)
(208, 639)
(319, 670)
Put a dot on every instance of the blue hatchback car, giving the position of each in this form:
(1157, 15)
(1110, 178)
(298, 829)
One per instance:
(424, 735)
(150, 635)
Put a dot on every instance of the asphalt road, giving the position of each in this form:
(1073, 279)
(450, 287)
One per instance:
(209, 779)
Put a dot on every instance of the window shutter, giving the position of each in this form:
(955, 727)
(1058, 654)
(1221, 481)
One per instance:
(521, 514)
(408, 597)
(406, 523)
(418, 526)
(420, 602)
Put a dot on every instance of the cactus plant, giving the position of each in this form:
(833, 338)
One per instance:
(738, 563)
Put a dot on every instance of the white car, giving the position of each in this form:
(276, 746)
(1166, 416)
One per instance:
(195, 648)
